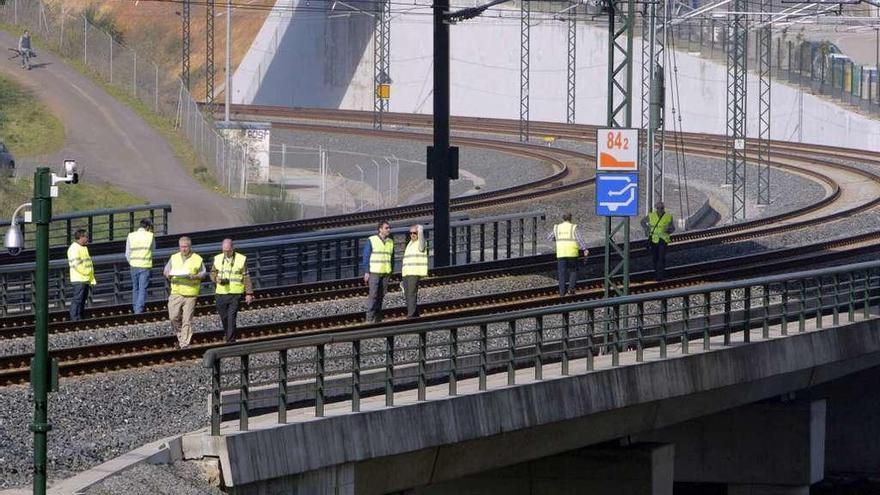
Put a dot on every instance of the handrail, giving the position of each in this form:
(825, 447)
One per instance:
(103, 211)
(106, 224)
(277, 261)
(214, 247)
(414, 355)
(468, 321)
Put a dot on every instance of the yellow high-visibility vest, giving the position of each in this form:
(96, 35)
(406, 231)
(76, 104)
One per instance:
(657, 226)
(140, 245)
(380, 256)
(182, 285)
(566, 243)
(233, 270)
(415, 262)
(80, 263)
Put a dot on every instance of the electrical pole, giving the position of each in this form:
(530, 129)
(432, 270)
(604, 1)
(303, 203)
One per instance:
(571, 87)
(735, 170)
(184, 70)
(227, 92)
(209, 56)
(764, 47)
(442, 158)
(620, 40)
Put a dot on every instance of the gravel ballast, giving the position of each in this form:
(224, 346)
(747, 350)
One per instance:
(97, 418)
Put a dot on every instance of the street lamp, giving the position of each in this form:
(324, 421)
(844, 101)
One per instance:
(44, 372)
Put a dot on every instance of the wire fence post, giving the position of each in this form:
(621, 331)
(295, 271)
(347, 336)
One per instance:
(134, 75)
(110, 36)
(85, 40)
(156, 104)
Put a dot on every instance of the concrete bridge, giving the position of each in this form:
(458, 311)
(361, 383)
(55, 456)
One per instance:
(763, 385)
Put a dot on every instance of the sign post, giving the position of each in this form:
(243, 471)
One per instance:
(617, 197)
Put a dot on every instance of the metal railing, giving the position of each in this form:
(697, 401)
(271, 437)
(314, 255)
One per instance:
(78, 38)
(277, 261)
(101, 225)
(315, 370)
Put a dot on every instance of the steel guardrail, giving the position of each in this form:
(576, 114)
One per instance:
(109, 224)
(448, 350)
(276, 261)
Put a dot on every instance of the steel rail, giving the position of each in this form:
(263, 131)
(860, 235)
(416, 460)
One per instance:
(158, 350)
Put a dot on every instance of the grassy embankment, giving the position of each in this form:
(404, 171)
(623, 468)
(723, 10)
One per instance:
(29, 130)
(164, 126)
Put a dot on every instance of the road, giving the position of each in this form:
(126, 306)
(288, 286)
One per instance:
(114, 145)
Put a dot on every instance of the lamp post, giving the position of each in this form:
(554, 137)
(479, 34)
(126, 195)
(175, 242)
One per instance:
(44, 372)
(40, 366)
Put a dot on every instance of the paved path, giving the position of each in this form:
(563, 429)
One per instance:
(116, 146)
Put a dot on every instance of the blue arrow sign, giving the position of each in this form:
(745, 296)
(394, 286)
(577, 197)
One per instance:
(617, 195)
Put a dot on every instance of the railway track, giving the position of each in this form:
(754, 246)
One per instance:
(839, 202)
(159, 350)
(565, 179)
(104, 317)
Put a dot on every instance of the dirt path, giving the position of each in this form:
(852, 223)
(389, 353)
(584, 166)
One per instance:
(116, 146)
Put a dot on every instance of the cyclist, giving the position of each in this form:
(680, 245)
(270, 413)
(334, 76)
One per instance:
(24, 50)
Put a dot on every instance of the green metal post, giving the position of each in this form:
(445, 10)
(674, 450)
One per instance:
(40, 369)
(620, 51)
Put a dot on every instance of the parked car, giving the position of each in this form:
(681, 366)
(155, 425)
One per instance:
(7, 162)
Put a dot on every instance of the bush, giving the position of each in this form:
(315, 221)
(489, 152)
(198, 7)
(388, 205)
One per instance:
(104, 22)
(267, 210)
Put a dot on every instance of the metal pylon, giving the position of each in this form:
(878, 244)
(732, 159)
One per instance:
(382, 60)
(184, 69)
(572, 64)
(653, 101)
(620, 39)
(765, 43)
(735, 170)
(525, 14)
(209, 54)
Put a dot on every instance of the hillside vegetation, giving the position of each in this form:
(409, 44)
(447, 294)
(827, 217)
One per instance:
(153, 29)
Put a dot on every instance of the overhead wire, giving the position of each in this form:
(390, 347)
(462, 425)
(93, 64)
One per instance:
(678, 129)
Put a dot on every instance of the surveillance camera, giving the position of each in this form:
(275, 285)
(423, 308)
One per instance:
(69, 167)
(14, 251)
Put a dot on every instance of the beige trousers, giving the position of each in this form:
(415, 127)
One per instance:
(180, 311)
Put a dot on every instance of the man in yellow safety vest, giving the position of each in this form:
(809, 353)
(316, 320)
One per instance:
(415, 266)
(377, 259)
(229, 272)
(82, 273)
(658, 225)
(139, 247)
(185, 270)
(569, 243)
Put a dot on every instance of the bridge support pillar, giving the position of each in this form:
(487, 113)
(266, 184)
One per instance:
(759, 449)
(639, 469)
(853, 418)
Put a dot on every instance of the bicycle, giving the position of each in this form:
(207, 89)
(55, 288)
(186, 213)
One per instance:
(26, 55)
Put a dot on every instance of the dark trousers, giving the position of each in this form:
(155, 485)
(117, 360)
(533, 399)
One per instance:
(80, 294)
(658, 256)
(568, 272)
(227, 308)
(411, 293)
(378, 284)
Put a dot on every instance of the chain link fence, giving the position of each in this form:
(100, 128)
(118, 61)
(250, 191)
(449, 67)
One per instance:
(331, 181)
(77, 38)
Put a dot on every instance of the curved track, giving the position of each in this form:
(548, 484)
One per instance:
(849, 191)
(571, 167)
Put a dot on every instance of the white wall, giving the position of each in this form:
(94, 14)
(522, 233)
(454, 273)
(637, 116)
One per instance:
(327, 61)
